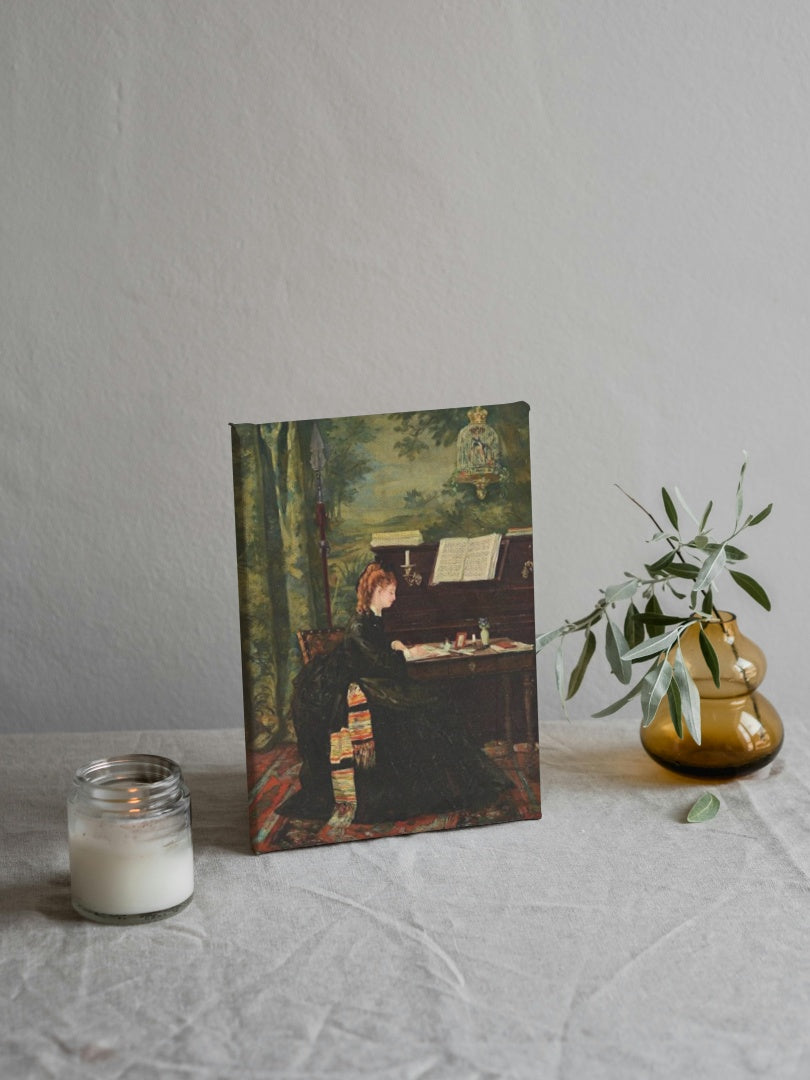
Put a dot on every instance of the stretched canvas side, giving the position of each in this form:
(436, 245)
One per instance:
(386, 603)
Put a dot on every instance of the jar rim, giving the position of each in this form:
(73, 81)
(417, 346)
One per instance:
(148, 780)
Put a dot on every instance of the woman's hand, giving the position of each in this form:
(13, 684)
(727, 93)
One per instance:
(397, 646)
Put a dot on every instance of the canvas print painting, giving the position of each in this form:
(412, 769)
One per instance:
(386, 594)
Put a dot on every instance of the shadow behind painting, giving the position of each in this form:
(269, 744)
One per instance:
(386, 691)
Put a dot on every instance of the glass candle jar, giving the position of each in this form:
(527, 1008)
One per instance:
(129, 836)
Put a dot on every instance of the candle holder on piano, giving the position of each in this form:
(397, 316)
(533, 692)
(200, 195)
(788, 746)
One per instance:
(410, 575)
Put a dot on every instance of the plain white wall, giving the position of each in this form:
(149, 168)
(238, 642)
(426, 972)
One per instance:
(245, 211)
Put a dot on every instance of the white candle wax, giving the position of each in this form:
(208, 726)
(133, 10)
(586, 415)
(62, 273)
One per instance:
(129, 867)
(129, 838)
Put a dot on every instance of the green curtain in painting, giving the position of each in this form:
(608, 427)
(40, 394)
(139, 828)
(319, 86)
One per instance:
(279, 568)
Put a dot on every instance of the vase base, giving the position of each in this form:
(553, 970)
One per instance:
(714, 772)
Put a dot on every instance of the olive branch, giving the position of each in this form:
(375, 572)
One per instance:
(694, 564)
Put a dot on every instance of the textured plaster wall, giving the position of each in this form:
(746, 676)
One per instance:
(237, 211)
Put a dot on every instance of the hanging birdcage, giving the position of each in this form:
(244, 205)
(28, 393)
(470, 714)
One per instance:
(478, 453)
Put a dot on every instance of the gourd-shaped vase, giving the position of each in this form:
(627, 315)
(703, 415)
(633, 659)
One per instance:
(740, 729)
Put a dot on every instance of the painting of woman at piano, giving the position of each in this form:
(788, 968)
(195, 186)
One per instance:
(375, 744)
(395, 730)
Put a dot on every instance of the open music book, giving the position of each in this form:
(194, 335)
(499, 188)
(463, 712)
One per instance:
(467, 558)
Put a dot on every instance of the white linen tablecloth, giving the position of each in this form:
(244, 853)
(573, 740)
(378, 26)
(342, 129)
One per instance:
(609, 939)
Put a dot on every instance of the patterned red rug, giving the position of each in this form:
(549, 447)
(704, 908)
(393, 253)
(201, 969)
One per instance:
(274, 776)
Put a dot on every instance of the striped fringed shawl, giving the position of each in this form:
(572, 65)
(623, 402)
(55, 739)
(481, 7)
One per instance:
(351, 747)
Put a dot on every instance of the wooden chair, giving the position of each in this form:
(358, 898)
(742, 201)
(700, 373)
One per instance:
(315, 642)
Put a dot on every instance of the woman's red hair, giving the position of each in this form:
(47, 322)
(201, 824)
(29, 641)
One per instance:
(373, 575)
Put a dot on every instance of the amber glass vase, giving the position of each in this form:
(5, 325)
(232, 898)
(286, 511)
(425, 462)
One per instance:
(740, 729)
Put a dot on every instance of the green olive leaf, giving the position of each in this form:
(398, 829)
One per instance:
(705, 518)
(652, 606)
(669, 507)
(755, 520)
(654, 645)
(559, 674)
(615, 648)
(546, 639)
(674, 702)
(683, 503)
(660, 564)
(752, 587)
(711, 568)
(704, 809)
(661, 620)
(577, 675)
(690, 698)
(740, 489)
(733, 554)
(623, 591)
(710, 656)
(654, 686)
(684, 570)
(633, 629)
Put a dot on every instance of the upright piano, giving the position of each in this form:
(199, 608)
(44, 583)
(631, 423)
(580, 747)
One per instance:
(495, 689)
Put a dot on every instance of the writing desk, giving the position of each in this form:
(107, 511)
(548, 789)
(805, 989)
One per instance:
(507, 667)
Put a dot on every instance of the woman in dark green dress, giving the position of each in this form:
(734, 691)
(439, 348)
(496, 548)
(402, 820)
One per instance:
(376, 745)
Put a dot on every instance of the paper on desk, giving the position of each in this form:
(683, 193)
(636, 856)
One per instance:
(428, 652)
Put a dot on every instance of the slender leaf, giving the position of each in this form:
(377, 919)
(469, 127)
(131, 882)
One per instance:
(588, 620)
(704, 809)
(682, 501)
(547, 638)
(655, 685)
(621, 702)
(614, 593)
(690, 698)
(704, 520)
(684, 570)
(752, 587)
(661, 620)
(653, 607)
(615, 648)
(711, 568)
(700, 541)
(657, 644)
(674, 702)
(660, 564)
(707, 606)
(577, 675)
(740, 488)
(755, 520)
(559, 674)
(733, 554)
(710, 656)
(669, 507)
(633, 629)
